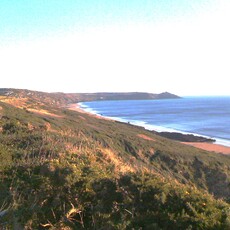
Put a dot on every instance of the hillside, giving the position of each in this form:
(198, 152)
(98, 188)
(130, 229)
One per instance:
(66, 98)
(62, 169)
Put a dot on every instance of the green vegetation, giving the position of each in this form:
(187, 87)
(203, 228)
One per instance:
(61, 169)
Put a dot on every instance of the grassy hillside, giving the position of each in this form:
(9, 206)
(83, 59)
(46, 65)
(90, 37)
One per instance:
(61, 169)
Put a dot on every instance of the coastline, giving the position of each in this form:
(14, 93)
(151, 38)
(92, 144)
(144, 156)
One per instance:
(212, 147)
(76, 107)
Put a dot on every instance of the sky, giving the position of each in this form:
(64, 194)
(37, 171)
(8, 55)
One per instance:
(178, 46)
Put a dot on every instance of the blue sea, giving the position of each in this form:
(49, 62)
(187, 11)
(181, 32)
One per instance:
(205, 116)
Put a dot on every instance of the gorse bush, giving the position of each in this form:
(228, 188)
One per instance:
(58, 194)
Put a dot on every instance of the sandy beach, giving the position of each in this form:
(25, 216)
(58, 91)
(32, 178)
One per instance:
(77, 108)
(210, 147)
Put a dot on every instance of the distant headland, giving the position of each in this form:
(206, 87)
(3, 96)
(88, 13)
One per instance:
(127, 96)
(63, 98)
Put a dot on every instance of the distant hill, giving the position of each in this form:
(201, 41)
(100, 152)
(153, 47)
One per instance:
(127, 96)
(64, 98)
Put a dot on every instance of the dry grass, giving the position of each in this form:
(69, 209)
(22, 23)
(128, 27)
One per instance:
(17, 102)
(120, 166)
(43, 112)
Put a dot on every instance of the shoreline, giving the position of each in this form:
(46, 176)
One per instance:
(211, 147)
(76, 107)
(208, 146)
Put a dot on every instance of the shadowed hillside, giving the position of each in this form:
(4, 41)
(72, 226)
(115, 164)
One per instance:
(63, 169)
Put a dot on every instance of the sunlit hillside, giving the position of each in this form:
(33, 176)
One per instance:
(65, 169)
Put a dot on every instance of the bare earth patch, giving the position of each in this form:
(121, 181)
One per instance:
(210, 147)
(82, 118)
(145, 137)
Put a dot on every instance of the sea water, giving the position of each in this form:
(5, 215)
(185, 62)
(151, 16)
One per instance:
(206, 116)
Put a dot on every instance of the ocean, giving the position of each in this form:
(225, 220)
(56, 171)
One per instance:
(205, 116)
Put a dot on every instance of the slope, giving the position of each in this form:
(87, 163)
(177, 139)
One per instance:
(61, 168)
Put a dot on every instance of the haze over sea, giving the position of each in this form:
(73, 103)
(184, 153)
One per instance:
(206, 116)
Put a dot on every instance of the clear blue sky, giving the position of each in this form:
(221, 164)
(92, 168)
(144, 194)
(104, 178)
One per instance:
(23, 18)
(134, 45)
